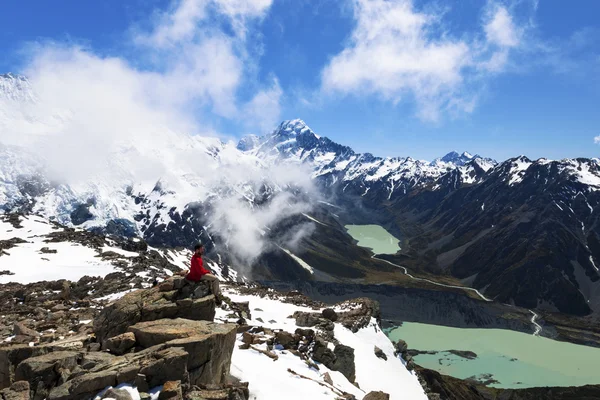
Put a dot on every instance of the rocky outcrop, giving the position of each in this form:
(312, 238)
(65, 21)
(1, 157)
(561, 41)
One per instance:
(209, 345)
(159, 336)
(175, 298)
(358, 315)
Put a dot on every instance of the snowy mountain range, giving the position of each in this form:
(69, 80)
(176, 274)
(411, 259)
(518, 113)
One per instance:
(256, 197)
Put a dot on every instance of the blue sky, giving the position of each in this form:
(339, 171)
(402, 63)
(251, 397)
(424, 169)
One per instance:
(395, 78)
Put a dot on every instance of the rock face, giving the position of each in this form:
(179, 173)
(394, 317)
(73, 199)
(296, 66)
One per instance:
(176, 299)
(197, 352)
(149, 344)
(209, 345)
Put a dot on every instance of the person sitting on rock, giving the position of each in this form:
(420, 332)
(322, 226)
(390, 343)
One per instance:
(198, 273)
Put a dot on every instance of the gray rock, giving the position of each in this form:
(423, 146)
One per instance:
(305, 319)
(120, 344)
(344, 361)
(330, 314)
(400, 346)
(17, 391)
(117, 394)
(380, 354)
(323, 354)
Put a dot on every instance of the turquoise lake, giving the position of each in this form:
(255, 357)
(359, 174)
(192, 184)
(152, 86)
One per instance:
(514, 359)
(375, 238)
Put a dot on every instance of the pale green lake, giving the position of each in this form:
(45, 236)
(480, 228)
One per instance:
(375, 238)
(516, 360)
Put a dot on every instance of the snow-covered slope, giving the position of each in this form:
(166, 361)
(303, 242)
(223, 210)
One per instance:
(291, 377)
(34, 249)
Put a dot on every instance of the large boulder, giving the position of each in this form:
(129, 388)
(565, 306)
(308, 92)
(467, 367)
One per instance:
(340, 359)
(344, 361)
(209, 344)
(153, 304)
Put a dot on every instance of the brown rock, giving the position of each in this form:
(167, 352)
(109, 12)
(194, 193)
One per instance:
(171, 391)
(377, 396)
(167, 365)
(209, 344)
(43, 372)
(20, 329)
(149, 305)
(327, 378)
(166, 286)
(120, 344)
(11, 356)
(84, 385)
(285, 339)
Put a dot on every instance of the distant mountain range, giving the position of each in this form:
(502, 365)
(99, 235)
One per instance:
(521, 231)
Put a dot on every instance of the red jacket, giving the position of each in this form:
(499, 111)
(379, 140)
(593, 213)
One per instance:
(196, 269)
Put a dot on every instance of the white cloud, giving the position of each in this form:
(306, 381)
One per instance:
(265, 107)
(500, 28)
(200, 61)
(187, 19)
(100, 122)
(396, 51)
(597, 140)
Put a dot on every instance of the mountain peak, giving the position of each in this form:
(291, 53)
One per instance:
(15, 87)
(294, 127)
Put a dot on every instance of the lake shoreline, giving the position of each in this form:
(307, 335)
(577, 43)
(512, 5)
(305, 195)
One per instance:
(500, 358)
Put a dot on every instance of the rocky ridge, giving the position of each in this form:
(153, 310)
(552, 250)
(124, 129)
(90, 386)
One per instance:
(170, 338)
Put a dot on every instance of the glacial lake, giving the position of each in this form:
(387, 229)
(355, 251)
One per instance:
(375, 238)
(514, 359)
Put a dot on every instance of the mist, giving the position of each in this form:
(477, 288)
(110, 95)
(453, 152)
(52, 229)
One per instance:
(99, 123)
